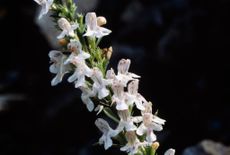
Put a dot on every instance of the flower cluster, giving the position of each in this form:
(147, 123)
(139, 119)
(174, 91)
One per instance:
(114, 94)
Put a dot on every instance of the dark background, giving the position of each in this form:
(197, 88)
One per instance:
(179, 47)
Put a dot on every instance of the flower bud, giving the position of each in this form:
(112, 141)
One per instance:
(62, 42)
(101, 21)
(107, 52)
(155, 145)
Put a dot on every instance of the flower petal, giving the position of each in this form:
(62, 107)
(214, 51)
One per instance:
(89, 33)
(103, 93)
(90, 105)
(141, 130)
(158, 120)
(123, 66)
(139, 105)
(62, 35)
(124, 148)
(130, 126)
(85, 55)
(170, 152)
(57, 79)
(120, 105)
(156, 127)
(108, 142)
(53, 69)
(137, 119)
(105, 31)
(80, 81)
(151, 137)
(102, 125)
(73, 77)
(91, 20)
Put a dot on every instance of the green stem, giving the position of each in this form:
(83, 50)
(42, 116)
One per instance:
(83, 42)
(98, 41)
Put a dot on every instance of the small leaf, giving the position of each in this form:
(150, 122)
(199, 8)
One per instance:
(110, 114)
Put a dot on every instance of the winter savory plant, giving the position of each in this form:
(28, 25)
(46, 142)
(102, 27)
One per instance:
(112, 95)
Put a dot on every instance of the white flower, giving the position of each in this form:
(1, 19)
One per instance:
(93, 29)
(170, 152)
(67, 28)
(77, 58)
(75, 46)
(142, 129)
(80, 72)
(134, 96)
(126, 121)
(123, 71)
(58, 67)
(77, 53)
(45, 4)
(119, 96)
(99, 85)
(133, 145)
(85, 97)
(108, 133)
(123, 76)
(150, 122)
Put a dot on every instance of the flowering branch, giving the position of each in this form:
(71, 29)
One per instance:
(114, 94)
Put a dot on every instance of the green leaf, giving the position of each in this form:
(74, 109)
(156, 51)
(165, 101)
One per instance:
(108, 112)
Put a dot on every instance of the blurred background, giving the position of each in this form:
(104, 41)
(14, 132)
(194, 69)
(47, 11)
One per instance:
(179, 47)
